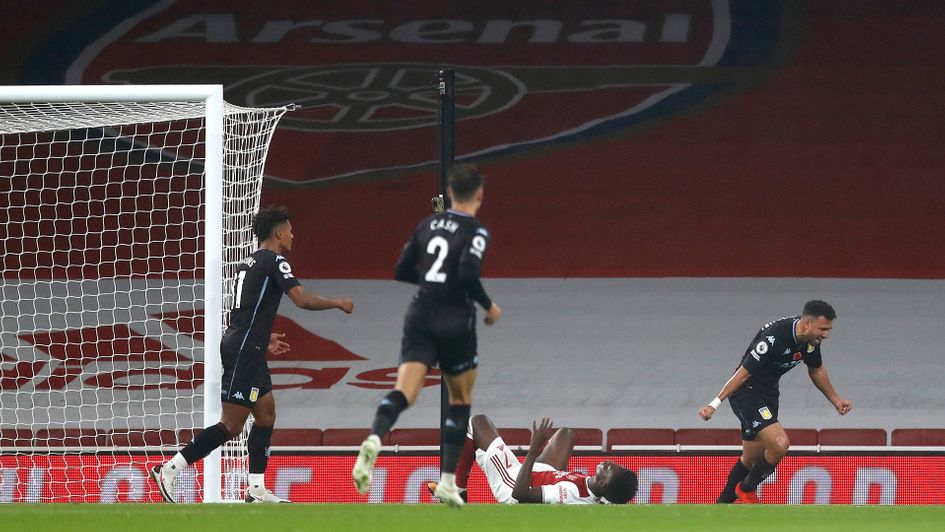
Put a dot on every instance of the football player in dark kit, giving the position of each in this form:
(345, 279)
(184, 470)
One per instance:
(443, 256)
(260, 281)
(753, 393)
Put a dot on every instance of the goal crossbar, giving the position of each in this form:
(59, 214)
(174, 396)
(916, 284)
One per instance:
(107, 93)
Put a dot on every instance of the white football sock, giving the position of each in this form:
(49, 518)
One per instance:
(257, 480)
(175, 465)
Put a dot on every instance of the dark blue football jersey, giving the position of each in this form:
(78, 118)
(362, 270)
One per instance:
(444, 257)
(774, 351)
(260, 281)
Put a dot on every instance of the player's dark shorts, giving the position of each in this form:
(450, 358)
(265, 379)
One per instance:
(754, 409)
(440, 334)
(245, 375)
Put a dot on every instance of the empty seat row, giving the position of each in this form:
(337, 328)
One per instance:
(584, 437)
(798, 437)
(415, 437)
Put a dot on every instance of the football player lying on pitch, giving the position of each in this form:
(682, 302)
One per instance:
(542, 478)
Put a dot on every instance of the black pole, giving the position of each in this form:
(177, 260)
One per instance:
(446, 80)
(445, 143)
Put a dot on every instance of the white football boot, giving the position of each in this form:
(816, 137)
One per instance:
(261, 494)
(364, 465)
(165, 483)
(448, 493)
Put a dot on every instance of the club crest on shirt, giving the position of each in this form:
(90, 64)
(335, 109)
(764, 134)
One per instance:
(765, 413)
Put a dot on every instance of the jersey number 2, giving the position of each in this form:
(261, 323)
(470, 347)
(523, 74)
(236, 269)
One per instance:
(440, 247)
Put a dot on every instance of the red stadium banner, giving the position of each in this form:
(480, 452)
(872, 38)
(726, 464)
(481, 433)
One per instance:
(815, 479)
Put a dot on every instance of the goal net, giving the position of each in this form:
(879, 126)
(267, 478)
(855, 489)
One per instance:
(125, 211)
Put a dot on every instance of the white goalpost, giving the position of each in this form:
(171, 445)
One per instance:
(124, 211)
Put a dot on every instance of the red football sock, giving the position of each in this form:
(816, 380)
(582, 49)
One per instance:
(464, 466)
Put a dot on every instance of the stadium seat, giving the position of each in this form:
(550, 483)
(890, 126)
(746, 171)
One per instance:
(185, 436)
(415, 437)
(69, 438)
(802, 436)
(855, 437)
(589, 437)
(516, 436)
(348, 437)
(296, 437)
(586, 437)
(919, 437)
(639, 437)
(16, 438)
(708, 437)
(140, 438)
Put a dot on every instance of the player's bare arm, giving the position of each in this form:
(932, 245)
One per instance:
(523, 492)
(311, 301)
(735, 382)
(820, 379)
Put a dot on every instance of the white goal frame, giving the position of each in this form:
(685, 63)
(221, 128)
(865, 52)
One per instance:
(212, 96)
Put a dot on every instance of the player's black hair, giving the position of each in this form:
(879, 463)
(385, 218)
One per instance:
(816, 308)
(623, 486)
(464, 180)
(268, 219)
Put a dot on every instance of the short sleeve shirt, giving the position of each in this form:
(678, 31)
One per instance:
(774, 351)
(260, 281)
(563, 487)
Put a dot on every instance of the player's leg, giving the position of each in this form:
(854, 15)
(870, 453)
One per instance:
(236, 409)
(500, 467)
(760, 425)
(456, 343)
(558, 450)
(740, 469)
(258, 445)
(744, 406)
(483, 431)
(480, 432)
(417, 356)
(231, 423)
(459, 387)
(775, 443)
(410, 378)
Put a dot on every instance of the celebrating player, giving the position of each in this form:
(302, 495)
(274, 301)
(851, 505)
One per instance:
(261, 279)
(444, 256)
(753, 393)
(542, 478)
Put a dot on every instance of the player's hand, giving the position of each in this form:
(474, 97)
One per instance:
(706, 412)
(345, 305)
(493, 314)
(540, 434)
(276, 345)
(843, 406)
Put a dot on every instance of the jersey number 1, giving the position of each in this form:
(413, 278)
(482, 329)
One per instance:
(440, 247)
(239, 288)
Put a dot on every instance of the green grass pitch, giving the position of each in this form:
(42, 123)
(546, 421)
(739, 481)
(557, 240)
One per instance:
(475, 517)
